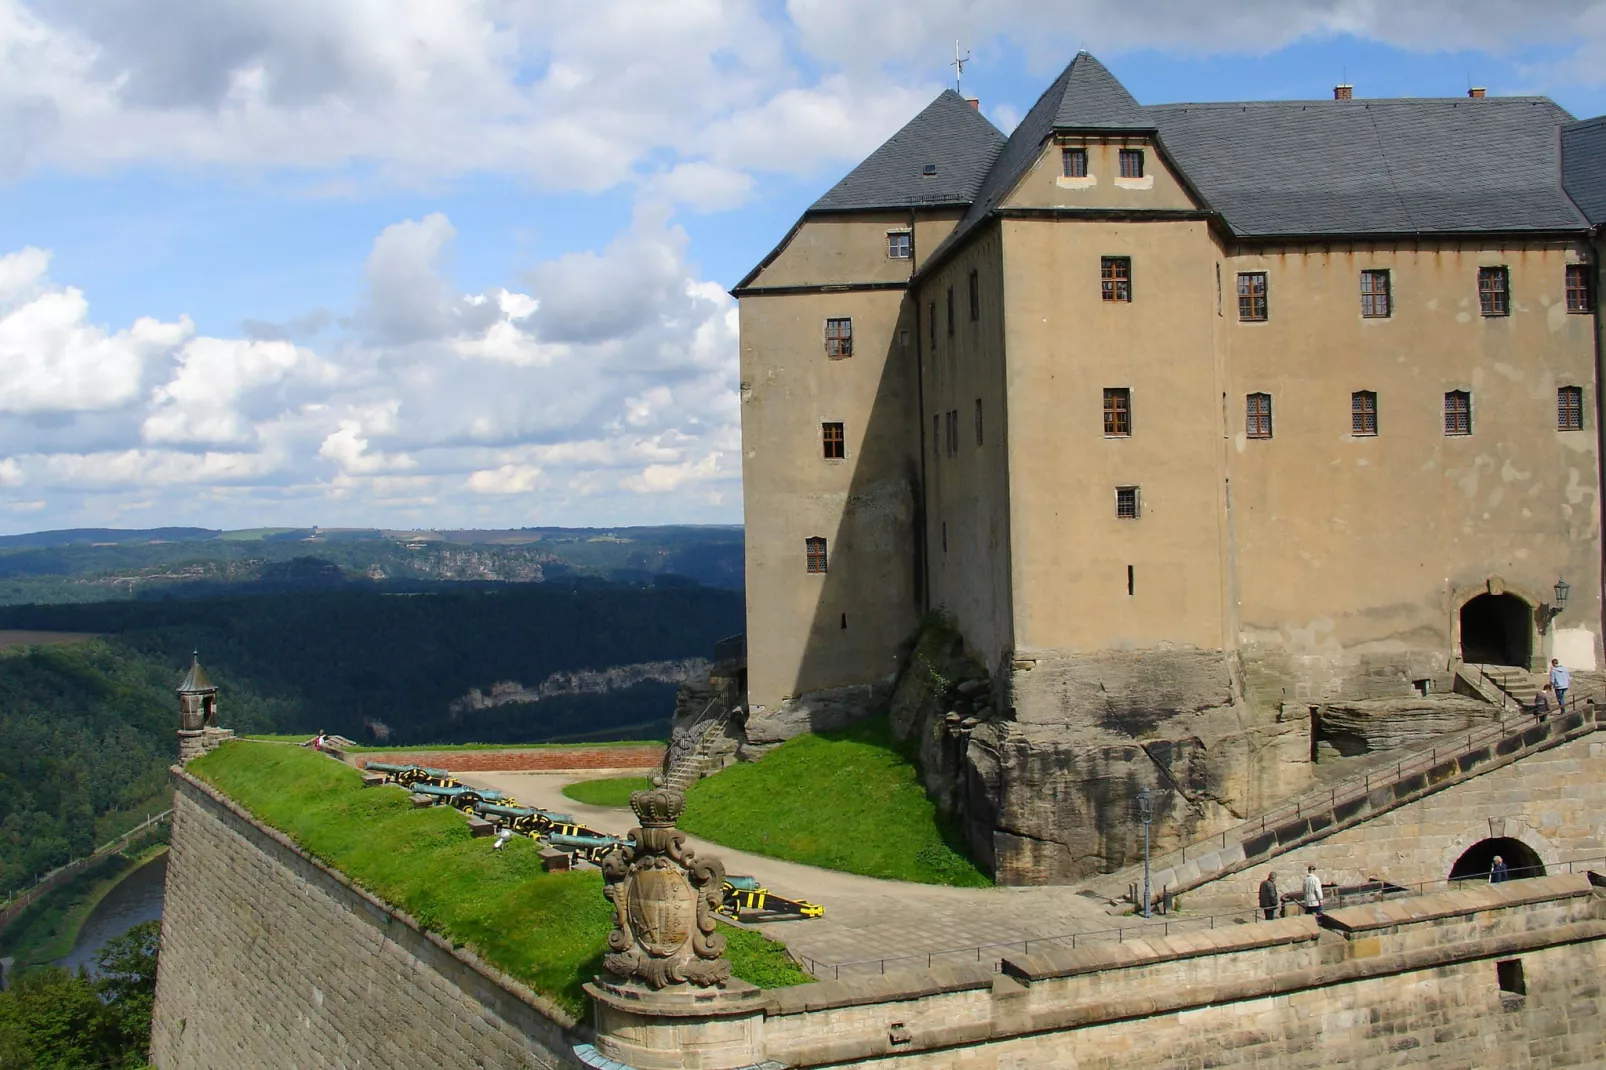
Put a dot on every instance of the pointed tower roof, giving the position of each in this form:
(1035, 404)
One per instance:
(196, 681)
(950, 136)
(1090, 98)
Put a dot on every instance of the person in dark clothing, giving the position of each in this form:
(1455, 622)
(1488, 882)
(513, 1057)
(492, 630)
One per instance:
(1498, 872)
(1542, 704)
(1268, 896)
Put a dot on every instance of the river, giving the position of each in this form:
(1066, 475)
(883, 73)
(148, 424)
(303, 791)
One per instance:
(137, 898)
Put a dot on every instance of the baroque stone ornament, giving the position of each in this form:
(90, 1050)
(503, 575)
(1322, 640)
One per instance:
(664, 900)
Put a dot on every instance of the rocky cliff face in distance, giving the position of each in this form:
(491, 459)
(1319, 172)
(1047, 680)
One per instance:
(582, 682)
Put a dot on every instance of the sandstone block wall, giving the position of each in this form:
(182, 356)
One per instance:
(270, 960)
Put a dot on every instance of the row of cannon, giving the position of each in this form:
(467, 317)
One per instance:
(743, 895)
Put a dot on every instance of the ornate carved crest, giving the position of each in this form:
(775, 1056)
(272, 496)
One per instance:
(664, 900)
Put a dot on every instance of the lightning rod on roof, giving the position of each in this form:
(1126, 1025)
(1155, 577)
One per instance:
(959, 66)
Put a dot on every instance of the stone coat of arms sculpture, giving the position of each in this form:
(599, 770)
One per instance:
(664, 900)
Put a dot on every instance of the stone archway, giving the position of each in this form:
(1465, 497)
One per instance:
(1474, 863)
(1497, 629)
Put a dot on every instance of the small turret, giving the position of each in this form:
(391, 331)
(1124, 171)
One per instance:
(198, 730)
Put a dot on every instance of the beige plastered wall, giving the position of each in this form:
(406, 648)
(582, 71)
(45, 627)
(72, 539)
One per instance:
(1045, 185)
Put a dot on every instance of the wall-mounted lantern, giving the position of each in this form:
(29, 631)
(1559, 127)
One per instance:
(1548, 613)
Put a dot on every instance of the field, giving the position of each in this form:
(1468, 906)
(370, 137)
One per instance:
(15, 637)
(611, 791)
(546, 929)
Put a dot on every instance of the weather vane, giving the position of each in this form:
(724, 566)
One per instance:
(959, 67)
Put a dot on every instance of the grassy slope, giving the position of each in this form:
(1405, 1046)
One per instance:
(365, 748)
(546, 929)
(848, 800)
(609, 791)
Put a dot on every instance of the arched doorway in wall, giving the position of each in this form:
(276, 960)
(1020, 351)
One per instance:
(1475, 862)
(1497, 629)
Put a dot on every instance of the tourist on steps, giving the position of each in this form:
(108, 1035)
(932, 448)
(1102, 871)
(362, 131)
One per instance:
(1313, 891)
(1542, 703)
(1268, 896)
(1561, 680)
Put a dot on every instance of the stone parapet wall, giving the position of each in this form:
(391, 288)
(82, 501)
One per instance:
(648, 757)
(270, 959)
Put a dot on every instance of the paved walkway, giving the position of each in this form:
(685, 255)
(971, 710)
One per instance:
(866, 919)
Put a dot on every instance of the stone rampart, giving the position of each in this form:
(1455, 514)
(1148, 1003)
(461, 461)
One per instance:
(644, 758)
(270, 959)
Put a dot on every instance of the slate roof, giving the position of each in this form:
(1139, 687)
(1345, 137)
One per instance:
(1583, 150)
(196, 679)
(949, 133)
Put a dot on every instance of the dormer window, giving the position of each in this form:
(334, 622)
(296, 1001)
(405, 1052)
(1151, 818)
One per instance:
(929, 170)
(1075, 162)
(1131, 163)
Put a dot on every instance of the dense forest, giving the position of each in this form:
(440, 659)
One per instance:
(54, 1020)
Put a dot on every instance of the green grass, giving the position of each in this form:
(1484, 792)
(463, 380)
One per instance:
(48, 929)
(848, 800)
(610, 791)
(374, 748)
(546, 929)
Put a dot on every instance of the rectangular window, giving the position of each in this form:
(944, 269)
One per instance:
(1508, 974)
(1494, 291)
(1257, 416)
(816, 552)
(1074, 162)
(900, 244)
(1580, 295)
(1570, 408)
(978, 421)
(1375, 295)
(835, 446)
(1126, 503)
(1252, 296)
(1458, 413)
(1115, 278)
(1363, 413)
(1117, 411)
(950, 312)
(1131, 163)
(838, 338)
(975, 296)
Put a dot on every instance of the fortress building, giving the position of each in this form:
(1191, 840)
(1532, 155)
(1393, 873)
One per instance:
(1195, 421)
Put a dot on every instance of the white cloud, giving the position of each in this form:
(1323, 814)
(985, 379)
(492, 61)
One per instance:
(508, 479)
(199, 404)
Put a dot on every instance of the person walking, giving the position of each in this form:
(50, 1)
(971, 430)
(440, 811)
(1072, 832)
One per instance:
(1560, 680)
(1541, 707)
(1498, 873)
(1268, 896)
(1313, 891)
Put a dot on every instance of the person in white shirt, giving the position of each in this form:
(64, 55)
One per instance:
(1313, 891)
(1561, 680)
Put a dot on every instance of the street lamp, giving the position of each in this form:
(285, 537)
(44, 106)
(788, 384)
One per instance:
(1563, 588)
(1146, 813)
(1548, 613)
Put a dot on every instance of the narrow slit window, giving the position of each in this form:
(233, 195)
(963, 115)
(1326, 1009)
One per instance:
(1580, 294)
(900, 245)
(816, 553)
(950, 312)
(1131, 584)
(1494, 291)
(1131, 163)
(1363, 413)
(1126, 503)
(838, 338)
(931, 316)
(1074, 162)
(835, 445)
(1115, 278)
(953, 432)
(975, 296)
(1458, 413)
(1257, 416)
(1375, 295)
(936, 435)
(978, 422)
(945, 536)
(1252, 306)
(1118, 411)
(1570, 408)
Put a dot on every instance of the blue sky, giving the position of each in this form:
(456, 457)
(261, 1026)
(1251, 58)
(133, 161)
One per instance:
(420, 262)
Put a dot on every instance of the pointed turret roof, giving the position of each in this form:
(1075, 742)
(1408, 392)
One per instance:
(196, 680)
(1091, 98)
(949, 135)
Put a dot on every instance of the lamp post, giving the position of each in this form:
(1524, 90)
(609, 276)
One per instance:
(1146, 813)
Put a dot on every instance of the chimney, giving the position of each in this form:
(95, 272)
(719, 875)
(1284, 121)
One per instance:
(1343, 92)
(1476, 91)
(974, 102)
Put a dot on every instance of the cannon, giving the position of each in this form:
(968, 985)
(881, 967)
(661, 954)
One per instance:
(409, 775)
(460, 797)
(529, 820)
(588, 844)
(746, 895)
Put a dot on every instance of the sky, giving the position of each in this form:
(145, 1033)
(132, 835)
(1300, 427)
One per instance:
(464, 263)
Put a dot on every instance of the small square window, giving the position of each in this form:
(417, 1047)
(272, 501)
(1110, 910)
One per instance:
(1252, 306)
(1570, 408)
(1131, 163)
(1126, 503)
(1580, 294)
(975, 296)
(1115, 278)
(816, 553)
(1375, 302)
(1494, 291)
(1508, 973)
(1074, 162)
(1257, 416)
(1118, 411)
(900, 244)
(1363, 413)
(1458, 413)
(838, 338)
(929, 169)
(978, 421)
(834, 443)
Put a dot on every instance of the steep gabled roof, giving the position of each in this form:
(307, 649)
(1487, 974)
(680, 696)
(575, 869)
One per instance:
(196, 680)
(948, 133)
(1583, 156)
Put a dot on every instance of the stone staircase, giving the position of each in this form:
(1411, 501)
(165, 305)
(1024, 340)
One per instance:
(1450, 760)
(1515, 686)
(691, 767)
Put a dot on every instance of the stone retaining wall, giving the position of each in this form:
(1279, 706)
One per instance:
(269, 959)
(646, 758)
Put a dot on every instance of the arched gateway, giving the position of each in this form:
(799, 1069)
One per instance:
(1497, 629)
